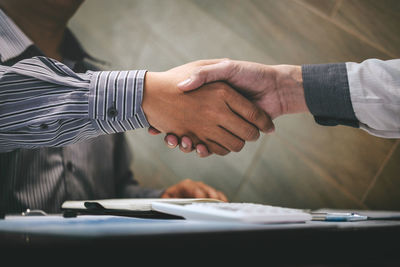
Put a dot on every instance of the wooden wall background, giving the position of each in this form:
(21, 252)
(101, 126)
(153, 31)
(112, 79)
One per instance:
(302, 164)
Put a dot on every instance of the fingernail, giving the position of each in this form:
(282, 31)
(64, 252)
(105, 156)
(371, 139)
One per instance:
(170, 143)
(185, 82)
(184, 145)
(198, 151)
(271, 130)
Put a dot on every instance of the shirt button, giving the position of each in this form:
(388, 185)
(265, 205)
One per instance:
(112, 112)
(70, 166)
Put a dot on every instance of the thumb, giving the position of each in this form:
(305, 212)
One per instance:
(206, 74)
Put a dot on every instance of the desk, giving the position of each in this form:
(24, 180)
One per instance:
(304, 243)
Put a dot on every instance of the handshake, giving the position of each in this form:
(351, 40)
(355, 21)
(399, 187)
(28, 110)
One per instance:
(215, 106)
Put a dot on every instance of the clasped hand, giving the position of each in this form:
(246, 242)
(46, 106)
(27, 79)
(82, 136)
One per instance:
(215, 115)
(276, 90)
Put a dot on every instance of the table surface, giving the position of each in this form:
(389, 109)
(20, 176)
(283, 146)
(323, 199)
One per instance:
(310, 242)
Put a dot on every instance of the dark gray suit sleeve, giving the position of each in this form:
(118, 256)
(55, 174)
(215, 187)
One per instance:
(326, 90)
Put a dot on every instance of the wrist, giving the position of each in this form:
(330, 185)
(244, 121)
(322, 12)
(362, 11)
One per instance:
(151, 86)
(289, 83)
(161, 100)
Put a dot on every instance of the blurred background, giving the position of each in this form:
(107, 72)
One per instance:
(302, 164)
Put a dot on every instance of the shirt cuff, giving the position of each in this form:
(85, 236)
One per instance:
(326, 90)
(115, 100)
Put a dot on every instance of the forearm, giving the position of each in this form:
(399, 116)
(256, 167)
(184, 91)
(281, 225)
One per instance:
(44, 103)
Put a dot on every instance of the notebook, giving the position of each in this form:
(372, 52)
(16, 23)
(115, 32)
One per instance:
(135, 207)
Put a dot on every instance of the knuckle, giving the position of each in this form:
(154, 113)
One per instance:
(186, 181)
(228, 63)
(230, 68)
(222, 90)
(200, 193)
(200, 62)
(254, 114)
(208, 111)
(221, 93)
(252, 134)
(200, 72)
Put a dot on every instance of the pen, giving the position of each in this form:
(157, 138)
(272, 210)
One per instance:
(338, 217)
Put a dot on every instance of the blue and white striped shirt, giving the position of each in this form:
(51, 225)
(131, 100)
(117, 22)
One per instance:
(44, 103)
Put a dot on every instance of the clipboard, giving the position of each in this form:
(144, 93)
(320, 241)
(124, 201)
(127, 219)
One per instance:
(131, 207)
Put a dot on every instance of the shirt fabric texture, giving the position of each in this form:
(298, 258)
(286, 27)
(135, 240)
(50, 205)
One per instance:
(47, 109)
(365, 95)
(45, 103)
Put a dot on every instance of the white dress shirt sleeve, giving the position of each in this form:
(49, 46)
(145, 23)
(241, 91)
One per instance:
(365, 95)
(375, 95)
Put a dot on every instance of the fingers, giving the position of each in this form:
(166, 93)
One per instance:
(228, 140)
(213, 193)
(206, 191)
(222, 196)
(224, 141)
(248, 111)
(153, 131)
(217, 148)
(202, 151)
(186, 144)
(171, 140)
(241, 128)
(223, 70)
(193, 189)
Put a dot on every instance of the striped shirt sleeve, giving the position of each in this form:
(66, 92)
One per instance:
(45, 103)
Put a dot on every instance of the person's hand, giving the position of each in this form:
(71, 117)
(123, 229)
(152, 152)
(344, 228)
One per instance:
(277, 89)
(215, 115)
(193, 189)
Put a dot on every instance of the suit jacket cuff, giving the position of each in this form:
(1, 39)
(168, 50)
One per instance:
(327, 94)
